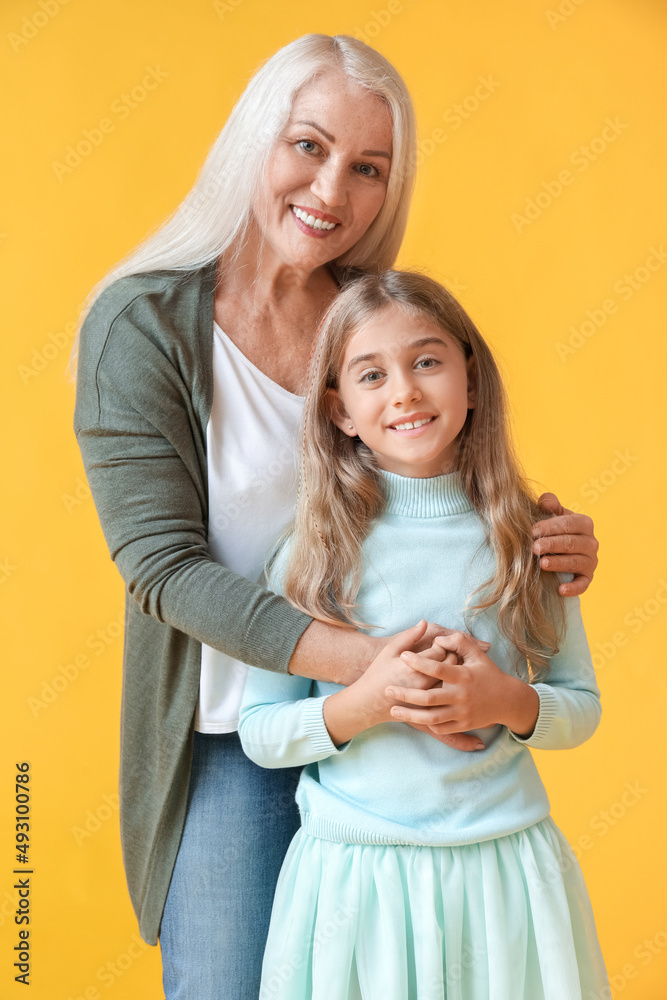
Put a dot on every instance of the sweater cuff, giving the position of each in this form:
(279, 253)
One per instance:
(316, 730)
(547, 713)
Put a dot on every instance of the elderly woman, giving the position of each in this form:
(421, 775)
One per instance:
(192, 360)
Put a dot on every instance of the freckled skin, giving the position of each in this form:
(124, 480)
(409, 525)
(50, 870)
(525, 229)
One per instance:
(335, 177)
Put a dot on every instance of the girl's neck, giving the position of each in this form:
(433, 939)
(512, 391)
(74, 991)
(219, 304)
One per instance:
(408, 473)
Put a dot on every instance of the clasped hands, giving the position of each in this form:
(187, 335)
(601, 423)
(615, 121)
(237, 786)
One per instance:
(446, 684)
(448, 687)
(454, 686)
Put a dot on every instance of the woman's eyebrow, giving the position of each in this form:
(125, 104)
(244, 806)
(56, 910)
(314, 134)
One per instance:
(423, 342)
(330, 138)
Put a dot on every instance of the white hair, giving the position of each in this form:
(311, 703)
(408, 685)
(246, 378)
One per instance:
(214, 216)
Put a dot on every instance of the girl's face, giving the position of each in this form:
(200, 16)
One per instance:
(396, 371)
(330, 165)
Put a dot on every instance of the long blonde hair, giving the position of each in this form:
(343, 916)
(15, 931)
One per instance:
(342, 491)
(214, 217)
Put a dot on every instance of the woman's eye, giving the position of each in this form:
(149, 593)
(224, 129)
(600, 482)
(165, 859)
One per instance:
(368, 170)
(307, 145)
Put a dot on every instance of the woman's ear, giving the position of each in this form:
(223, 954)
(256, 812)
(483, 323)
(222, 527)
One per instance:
(338, 413)
(471, 366)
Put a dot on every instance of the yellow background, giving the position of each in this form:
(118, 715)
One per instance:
(590, 416)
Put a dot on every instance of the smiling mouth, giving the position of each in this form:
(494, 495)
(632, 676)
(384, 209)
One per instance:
(408, 425)
(313, 222)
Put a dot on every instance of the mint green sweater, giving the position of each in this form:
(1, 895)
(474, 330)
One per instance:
(143, 399)
(393, 784)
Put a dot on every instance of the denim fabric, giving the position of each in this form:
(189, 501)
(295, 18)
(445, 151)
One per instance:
(240, 821)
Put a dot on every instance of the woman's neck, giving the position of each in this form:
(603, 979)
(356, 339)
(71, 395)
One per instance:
(258, 274)
(272, 312)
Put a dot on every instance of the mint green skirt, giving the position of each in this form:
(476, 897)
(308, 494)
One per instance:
(504, 919)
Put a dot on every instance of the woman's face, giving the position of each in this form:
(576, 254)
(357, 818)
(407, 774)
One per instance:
(327, 174)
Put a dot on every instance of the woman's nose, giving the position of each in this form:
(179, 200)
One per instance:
(330, 184)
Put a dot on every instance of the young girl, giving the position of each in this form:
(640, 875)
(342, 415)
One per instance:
(422, 872)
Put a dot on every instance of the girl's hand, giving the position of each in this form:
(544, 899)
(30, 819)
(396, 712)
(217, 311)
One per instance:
(567, 544)
(457, 741)
(475, 693)
(364, 703)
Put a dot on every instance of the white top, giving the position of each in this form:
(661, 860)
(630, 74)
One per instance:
(253, 476)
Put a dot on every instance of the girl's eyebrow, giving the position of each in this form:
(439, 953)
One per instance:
(361, 358)
(330, 138)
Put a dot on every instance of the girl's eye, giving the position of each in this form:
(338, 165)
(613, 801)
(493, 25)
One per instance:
(368, 170)
(428, 361)
(368, 377)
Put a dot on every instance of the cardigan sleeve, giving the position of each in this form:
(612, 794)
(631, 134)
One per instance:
(569, 710)
(143, 449)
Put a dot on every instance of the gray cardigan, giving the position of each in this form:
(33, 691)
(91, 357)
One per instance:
(143, 399)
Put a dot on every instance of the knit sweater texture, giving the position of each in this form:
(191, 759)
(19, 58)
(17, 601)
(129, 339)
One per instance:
(143, 400)
(392, 784)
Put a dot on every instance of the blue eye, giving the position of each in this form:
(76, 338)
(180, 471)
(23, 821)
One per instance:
(367, 377)
(368, 170)
(303, 143)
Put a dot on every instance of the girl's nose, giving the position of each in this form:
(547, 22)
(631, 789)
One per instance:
(405, 390)
(330, 184)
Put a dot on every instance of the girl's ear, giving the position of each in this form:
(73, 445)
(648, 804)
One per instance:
(338, 413)
(471, 365)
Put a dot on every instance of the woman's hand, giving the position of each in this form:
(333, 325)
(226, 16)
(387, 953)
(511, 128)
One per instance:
(425, 643)
(364, 703)
(567, 544)
(474, 694)
(342, 655)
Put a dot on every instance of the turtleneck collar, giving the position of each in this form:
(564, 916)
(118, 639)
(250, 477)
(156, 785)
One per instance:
(437, 496)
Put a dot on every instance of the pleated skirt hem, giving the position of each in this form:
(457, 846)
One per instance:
(504, 919)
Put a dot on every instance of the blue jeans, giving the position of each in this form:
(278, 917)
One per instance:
(240, 821)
